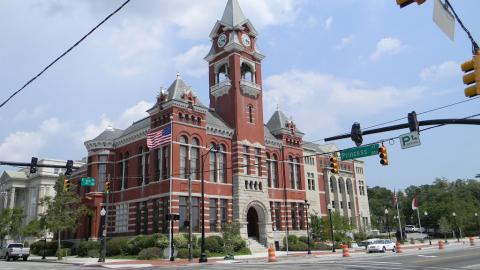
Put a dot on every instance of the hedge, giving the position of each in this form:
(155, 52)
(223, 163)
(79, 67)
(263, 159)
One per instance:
(150, 253)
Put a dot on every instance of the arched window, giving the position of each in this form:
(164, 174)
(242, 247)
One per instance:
(275, 171)
(122, 170)
(194, 159)
(250, 113)
(183, 156)
(222, 164)
(140, 167)
(247, 72)
(298, 173)
(291, 167)
(125, 182)
(223, 74)
(213, 163)
(269, 170)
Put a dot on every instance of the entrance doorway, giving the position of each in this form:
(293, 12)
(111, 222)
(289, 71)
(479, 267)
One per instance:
(252, 227)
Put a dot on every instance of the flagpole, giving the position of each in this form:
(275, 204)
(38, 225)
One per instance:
(419, 224)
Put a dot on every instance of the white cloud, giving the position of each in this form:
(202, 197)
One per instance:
(92, 130)
(444, 71)
(344, 42)
(51, 126)
(328, 23)
(387, 46)
(25, 114)
(191, 62)
(21, 146)
(300, 93)
(132, 114)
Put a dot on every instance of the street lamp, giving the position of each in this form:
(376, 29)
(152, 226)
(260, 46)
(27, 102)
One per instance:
(386, 221)
(101, 258)
(309, 251)
(203, 255)
(426, 225)
(455, 221)
(329, 206)
(478, 226)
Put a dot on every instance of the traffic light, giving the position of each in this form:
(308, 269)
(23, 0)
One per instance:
(404, 3)
(413, 124)
(107, 186)
(69, 167)
(33, 165)
(334, 164)
(383, 155)
(472, 76)
(356, 134)
(66, 185)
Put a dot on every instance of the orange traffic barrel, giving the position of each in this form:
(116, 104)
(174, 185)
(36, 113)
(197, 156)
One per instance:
(271, 254)
(345, 252)
(398, 247)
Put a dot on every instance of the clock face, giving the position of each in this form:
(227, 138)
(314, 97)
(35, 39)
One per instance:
(222, 40)
(246, 40)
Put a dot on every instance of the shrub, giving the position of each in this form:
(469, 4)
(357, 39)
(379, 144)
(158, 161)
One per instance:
(243, 251)
(150, 253)
(136, 244)
(93, 253)
(87, 248)
(182, 253)
(180, 241)
(303, 239)
(196, 252)
(292, 239)
(238, 243)
(298, 246)
(117, 246)
(214, 244)
(63, 252)
(159, 240)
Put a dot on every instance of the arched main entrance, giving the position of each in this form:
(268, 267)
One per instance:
(252, 226)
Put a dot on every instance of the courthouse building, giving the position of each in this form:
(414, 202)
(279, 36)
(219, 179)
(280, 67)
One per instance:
(258, 174)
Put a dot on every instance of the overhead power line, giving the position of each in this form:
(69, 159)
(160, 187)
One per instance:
(63, 54)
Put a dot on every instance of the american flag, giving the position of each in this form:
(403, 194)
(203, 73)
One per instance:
(159, 137)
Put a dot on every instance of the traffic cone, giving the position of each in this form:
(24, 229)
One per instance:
(345, 252)
(271, 254)
(398, 247)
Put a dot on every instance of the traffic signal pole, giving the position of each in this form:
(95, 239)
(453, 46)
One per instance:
(461, 121)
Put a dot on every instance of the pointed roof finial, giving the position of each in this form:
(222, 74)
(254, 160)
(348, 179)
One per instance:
(278, 107)
(178, 75)
(233, 15)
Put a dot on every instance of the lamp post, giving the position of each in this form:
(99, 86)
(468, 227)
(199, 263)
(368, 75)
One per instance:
(103, 213)
(203, 255)
(386, 222)
(309, 250)
(426, 225)
(456, 226)
(329, 206)
(478, 226)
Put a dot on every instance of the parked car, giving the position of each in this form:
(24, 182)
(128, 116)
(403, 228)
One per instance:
(14, 251)
(367, 242)
(381, 245)
(411, 229)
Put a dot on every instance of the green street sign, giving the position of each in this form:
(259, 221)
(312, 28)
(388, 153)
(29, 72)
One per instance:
(88, 182)
(358, 152)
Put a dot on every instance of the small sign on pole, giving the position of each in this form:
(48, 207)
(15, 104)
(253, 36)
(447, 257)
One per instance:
(444, 19)
(408, 140)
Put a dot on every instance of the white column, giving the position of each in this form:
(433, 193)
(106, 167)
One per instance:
(12, 197)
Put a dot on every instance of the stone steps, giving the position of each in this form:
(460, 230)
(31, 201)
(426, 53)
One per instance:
(255, 246)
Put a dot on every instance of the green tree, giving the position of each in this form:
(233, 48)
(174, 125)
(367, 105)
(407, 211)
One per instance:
(230, 233)
(320, 228)
(444, 226)
(11, 223)
(64, 210)
(34, 228)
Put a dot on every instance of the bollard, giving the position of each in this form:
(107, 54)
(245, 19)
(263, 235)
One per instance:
(345, 252)
(271, 254)
(398, 247)
(472, 241)
(440, 244)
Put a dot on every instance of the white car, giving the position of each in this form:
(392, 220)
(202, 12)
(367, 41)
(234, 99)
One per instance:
(14, 251)
(381, 245)
(411, 229)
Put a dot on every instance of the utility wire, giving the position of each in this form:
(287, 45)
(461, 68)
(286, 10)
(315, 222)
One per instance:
(474, 44)
(63, 54)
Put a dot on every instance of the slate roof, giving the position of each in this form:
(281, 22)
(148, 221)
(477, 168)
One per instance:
(268, 134)
(109, 134)
(233, 15)
(137, 125)
(277, 123)
(213, 119)
(178, 88)
(321, 148)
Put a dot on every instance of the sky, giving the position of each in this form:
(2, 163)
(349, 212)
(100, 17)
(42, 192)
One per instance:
(328, 64)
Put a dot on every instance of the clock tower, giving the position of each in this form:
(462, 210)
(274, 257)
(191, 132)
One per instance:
(235, 78)
(235, 81)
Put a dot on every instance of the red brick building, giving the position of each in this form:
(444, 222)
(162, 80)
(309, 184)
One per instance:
(254, 173)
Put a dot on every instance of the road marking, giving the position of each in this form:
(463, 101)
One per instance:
(117, 266)
(475, 266)
(427, 256)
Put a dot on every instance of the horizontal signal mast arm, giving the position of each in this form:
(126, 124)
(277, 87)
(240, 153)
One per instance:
(461, 121)
(25, 164)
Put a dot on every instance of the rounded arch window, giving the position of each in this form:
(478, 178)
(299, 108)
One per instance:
(183, 139)
(195, 142)
(250, 113)
(222, 148)
(247, 72)
(223, 73)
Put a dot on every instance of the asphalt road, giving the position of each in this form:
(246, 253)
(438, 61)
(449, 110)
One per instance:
(452, 258)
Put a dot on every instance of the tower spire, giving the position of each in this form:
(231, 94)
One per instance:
(233, 15)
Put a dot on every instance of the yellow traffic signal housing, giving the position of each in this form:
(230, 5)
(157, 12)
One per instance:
(334, 164)
(472, 78)
(404, 3)
(107, 186)
(383, 155)
(66, 185)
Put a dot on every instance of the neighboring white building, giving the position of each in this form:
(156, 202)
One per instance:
(20, 189)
